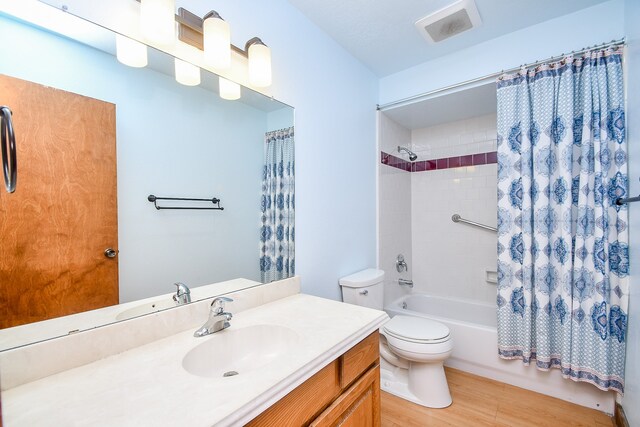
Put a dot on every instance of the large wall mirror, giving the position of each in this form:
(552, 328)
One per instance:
(96, 138)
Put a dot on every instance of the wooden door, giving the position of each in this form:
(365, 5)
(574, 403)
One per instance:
(63, 215)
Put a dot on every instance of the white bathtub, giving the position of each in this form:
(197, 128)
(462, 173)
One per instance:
(475, 349)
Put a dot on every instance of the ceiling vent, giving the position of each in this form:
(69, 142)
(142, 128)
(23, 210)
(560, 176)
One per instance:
(449, 21)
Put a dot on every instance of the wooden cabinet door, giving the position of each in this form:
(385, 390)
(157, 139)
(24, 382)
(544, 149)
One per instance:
(63, 215)
(304, 402)
(359, 406)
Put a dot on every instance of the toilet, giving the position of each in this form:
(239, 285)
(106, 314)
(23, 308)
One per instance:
(412, 349)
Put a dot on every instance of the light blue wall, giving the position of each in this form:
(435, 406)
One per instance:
(631, 401)
(334, 97)
(594, 25)
(172, 140)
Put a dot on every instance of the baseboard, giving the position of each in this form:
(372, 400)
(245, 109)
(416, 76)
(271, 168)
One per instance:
(619, 417)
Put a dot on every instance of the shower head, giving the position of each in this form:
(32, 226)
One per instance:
(412, 155)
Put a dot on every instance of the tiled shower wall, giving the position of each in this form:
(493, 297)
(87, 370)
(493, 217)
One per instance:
(446, 258)
(395, 209)
(451, 259)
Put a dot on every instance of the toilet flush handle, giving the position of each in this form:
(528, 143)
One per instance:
(365, 292)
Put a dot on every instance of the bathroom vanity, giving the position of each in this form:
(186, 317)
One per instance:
(287, 359)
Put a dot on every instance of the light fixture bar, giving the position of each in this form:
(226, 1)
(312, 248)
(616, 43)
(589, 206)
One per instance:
(190, 28)
(190, 31)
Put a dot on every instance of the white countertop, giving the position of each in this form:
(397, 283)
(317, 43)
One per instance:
(148, 385)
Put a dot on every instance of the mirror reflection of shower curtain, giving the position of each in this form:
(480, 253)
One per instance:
(277, 231)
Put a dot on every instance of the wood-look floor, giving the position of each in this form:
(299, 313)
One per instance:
(479, 401)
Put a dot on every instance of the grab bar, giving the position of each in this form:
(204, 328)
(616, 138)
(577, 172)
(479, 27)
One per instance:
(9, 159)
(458, 218)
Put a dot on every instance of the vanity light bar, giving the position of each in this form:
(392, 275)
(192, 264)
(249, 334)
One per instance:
(191, 31)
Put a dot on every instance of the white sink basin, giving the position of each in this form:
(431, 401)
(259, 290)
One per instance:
(149, 307)
(237, 351)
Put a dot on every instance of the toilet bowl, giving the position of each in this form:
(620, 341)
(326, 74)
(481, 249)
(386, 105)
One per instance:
(412, 349)
(419, 346)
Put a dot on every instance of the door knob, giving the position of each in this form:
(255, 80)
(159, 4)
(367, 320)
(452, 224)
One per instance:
(110, 253)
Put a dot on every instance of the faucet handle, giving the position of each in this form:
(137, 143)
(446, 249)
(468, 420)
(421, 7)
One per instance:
(401, 264)
(219, 301)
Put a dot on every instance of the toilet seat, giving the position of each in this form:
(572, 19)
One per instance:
(417, 330)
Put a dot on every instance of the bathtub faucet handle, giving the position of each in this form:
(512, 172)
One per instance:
(401, 265)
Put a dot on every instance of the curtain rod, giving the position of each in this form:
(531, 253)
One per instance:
(414, 98)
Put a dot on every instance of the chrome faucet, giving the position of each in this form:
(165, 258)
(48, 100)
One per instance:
(405, 282)
(218, 318)
(183, 294)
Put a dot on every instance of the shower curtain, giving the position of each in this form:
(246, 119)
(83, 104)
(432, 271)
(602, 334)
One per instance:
(563, 260)
(277, 232)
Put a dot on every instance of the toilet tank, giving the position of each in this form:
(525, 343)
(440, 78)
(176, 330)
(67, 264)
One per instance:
(364, 288)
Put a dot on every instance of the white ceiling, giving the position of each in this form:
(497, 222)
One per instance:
(381, 34)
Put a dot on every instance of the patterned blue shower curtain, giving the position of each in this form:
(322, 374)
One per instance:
(563, 260)
(277, 232)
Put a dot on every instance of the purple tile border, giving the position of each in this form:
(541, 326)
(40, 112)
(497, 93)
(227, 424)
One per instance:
(437, 164)
(396, 162)
(480, 159)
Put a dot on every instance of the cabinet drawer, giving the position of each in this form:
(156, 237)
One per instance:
(358, 359)
(305, 402)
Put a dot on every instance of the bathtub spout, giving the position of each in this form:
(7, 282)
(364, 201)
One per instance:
(405, 282)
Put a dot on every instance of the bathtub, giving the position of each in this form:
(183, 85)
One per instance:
(475, 349)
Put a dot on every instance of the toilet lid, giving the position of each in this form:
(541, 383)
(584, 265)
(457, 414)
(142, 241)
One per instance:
(416, 329)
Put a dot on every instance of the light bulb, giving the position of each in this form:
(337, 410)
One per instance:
(229, 90)
(217, 42)
(259, 65)
(130, 52)
(157, 21)
(186, 73)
